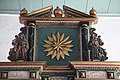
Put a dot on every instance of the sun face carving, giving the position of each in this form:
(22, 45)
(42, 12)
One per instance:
(58, 46)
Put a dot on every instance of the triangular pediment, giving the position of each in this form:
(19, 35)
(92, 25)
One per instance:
(48, 14)
(67, 13)
(44, 12)
(70, 12)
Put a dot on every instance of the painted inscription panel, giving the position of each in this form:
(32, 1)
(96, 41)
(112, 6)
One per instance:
(18, 74)
(96, 74)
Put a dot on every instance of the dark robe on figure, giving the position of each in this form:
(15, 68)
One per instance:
(94, 46)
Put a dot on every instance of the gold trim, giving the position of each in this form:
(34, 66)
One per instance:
(96, 62)
(40, 10)
(58, 19)
(55, 19)
(80, 43)
(74, 11)
(36, 47)
(56, 27)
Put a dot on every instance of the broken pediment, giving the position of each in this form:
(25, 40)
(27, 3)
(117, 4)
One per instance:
(67, 12)
(44, 12)
(70, 12)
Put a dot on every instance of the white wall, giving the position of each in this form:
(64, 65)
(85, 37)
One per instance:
(9, 27)
(107, 27)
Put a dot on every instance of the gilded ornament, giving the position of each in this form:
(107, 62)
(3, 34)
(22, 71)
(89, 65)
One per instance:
(57, 45)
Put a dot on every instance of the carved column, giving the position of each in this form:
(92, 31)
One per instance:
(31, 33)
(80, 43)
(85, 53)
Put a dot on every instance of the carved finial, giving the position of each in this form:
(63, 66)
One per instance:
(93, 12)
(23, 12)
(58, 12)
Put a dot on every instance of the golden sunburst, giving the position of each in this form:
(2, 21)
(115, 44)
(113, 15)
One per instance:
(58, 46)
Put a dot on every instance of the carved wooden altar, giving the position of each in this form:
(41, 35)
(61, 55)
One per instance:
(57, 38)
(55, 44)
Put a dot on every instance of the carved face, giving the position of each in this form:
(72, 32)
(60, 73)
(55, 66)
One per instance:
(21, 36)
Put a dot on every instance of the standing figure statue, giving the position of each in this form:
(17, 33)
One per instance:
(94, 45)
(20, 46)
(23, 47)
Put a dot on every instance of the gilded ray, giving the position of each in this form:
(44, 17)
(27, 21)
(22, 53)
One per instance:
(66, 53)
(68, 42)
(58, 46)
(69, 45)
(62, 37)
(48, 49)
(67, 49)
(58, 36)
(58, 55)
(48, 42)
(64, 40)
(53, 37)
(50, 52)
(54, 54)
(61, 54)
(47, 45)
(49, 38)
